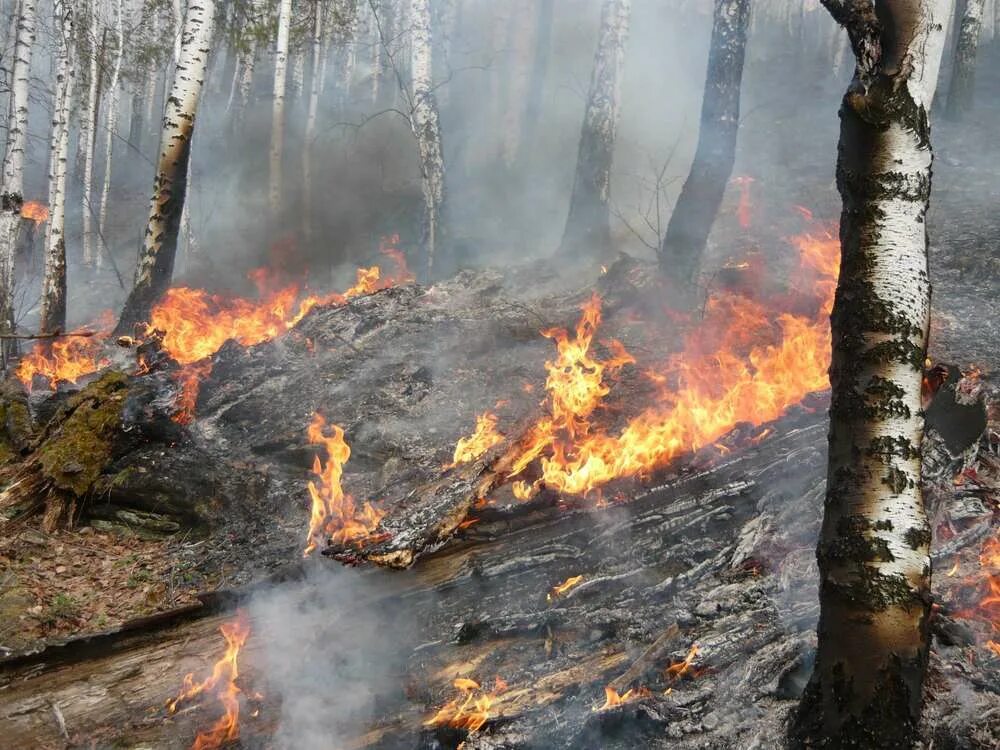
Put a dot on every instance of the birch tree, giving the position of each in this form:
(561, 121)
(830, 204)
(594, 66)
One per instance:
(245, 65)
(155, 265)
(426, 123)
(588, 228)
(111, 127)
(963, 72)
(873, 552)
(88, 134)
(12, 198)
(316, 47)
(53, 314)
(522, 31)
(278, 105)
(701, 196)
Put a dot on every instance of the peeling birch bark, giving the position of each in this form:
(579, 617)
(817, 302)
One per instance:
(159, 249)
(963, 76)
(701, 196)
(588, 225)
(426, 124)
(278, 105)
(12, 198)
(53, 314)
(873, 553)
(111, 129)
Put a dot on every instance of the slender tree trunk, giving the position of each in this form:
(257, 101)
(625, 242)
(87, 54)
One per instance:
(963, 71)
(12, 198)
(873, 553)
(700, 198)
(588, 225)
(111, 129)
(522, 31)
(155, 265)
(88, 136)
(378, 67)
(278, 107)
(53, 316)
(298, 76)
(316, 45)
(426, 123)
(540, 68)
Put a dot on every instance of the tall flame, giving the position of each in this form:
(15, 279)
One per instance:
(485, 437)
(222, 682)
(334, 513)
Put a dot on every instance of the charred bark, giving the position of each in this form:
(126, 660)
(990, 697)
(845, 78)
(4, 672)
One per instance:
(960, 99)
(588, 225)
(155, 266)
(700, 198)
(12, 199)
(53, 315)
(873, 552)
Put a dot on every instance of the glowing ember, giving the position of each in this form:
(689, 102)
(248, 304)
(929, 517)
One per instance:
(69, 358)
(190, 378)
(471, 710)
(613, 700)
(222, 682)
(563, 587)
(742, 363)
(335, 515)
(679, 669)
(485, 437)
(37, 211)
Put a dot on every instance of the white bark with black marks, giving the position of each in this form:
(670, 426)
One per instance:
(426, 123)
(963, 74)
(53, 314)
(111, 129)
(88, 135)
(588, 228)
(155, 266)
(874, 548)
(12, 197)
(278, 103)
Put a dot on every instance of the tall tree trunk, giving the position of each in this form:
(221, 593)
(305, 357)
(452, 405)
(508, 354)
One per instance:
(703, 190)
(111, 129)
(588, 225)
(316, 45)
(53, 315)
(155, 265)
(963, 71)
(540, 67)
(522, 30)
(278, 106)
(13, 171)
(378, 59)
(873, 552)
(426, 123)
(88, 135)
(245, 67)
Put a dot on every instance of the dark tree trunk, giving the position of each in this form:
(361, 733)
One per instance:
(964, 69)
(701, 196)
(539, 70)
(135, 124)
(874, 547)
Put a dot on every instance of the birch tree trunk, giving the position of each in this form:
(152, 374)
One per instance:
(426, 123)
(963, 72)
(377, 52)
(588, 227)
(701, 196)
(155, 265)
(111, 129)
(245, 67)
(53, 315)
(316, 45)
(873, 552)
(88, 136)
(278, 107)
(12, 198)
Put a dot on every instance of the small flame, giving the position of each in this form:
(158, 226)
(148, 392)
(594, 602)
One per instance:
(69, 358)
(472, 447)
(190, 378)
(471, 710)
(678, 669)
(37, 211)
(563, 587)
(613, 700)
(222, 682)
(743, 211)
(335, 515)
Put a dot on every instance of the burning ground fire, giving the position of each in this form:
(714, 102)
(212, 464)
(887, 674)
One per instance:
(471, 709)
(222, 683)
(743, 362)
(673, 673)
(194, 324)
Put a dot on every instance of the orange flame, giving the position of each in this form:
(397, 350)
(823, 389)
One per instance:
(677, 670)
(37, 211)
(563, 587)
(613, 700)
(67, 359)
(335, 515)
(743, 210)
(468, 711)
(741, 363)
(222, 682)
(472, 447)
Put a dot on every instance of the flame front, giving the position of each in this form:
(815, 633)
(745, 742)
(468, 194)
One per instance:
(743, 362)
(485, 437)
(36, 211)
(222, 682)
(67, 359)
(335, 515)
(471, 709)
